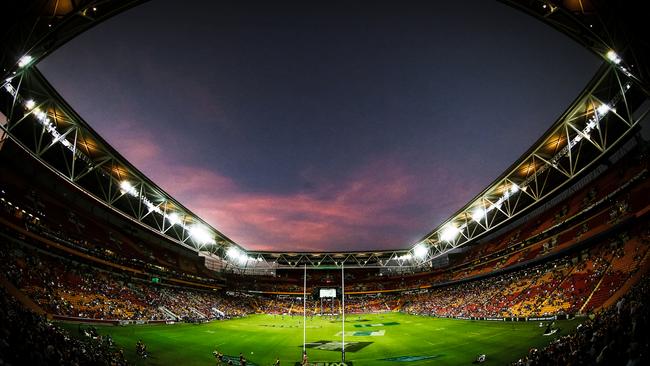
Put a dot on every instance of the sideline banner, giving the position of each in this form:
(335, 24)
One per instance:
(507, 319)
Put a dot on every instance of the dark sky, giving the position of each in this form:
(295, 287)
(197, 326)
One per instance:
(344, 127)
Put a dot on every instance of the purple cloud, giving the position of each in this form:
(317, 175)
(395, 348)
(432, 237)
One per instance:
(383, 204)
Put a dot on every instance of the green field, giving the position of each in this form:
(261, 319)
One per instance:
(379, 339)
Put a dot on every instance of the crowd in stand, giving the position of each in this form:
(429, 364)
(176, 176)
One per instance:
(291, 305)
(65, 287)
(556, 287)
(29, 339)
(68, 288)
(72, 289)
(63, 226)
(617, 336)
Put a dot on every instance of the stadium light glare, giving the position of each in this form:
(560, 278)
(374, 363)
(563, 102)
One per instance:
(449, 233)
(514, 189)
(420, 251)
(173, 218)
(127, 187)
(24, 61)
(30, 104)
(478, 214)
(233, 252)
(243, 259)
(42, 116)
(201, 235)
(405, 257)
(240, 257)
(603, 109)
(613, 57)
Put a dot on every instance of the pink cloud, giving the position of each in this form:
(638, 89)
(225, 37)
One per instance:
(135, 145)
(371, 208)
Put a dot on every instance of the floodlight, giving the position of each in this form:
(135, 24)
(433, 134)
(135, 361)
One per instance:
(30, 104)
(449, 232)
(200, 234)
(420, 251)
(42, 116)
(126, 185)
(514, 188)
(603, 109)
(237, 255)
(613, 57)
(24, 61)
(233, 252)
(173, 218)
(478, 214)
(150, 205)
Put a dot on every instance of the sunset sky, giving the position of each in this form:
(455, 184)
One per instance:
(344, 127)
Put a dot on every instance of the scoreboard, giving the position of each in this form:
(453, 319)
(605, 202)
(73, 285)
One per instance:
(327, 292)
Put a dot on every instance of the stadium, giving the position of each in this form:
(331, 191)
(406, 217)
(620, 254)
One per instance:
(546, 265)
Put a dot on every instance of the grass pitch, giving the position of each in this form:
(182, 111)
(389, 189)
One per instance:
(377, 339)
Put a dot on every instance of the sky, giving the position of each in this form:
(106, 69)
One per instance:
(347, 126)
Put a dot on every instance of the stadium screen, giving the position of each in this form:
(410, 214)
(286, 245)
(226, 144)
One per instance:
(328, 292)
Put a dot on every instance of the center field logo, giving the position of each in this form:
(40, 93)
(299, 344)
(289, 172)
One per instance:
(337, 346)
(376, 333)
(326, 363)
(375, 325)
(410, 358)
(235, 360)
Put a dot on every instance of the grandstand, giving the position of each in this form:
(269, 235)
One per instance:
(562, 237)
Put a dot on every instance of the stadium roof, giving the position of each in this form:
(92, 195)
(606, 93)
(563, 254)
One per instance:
(605, 114)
